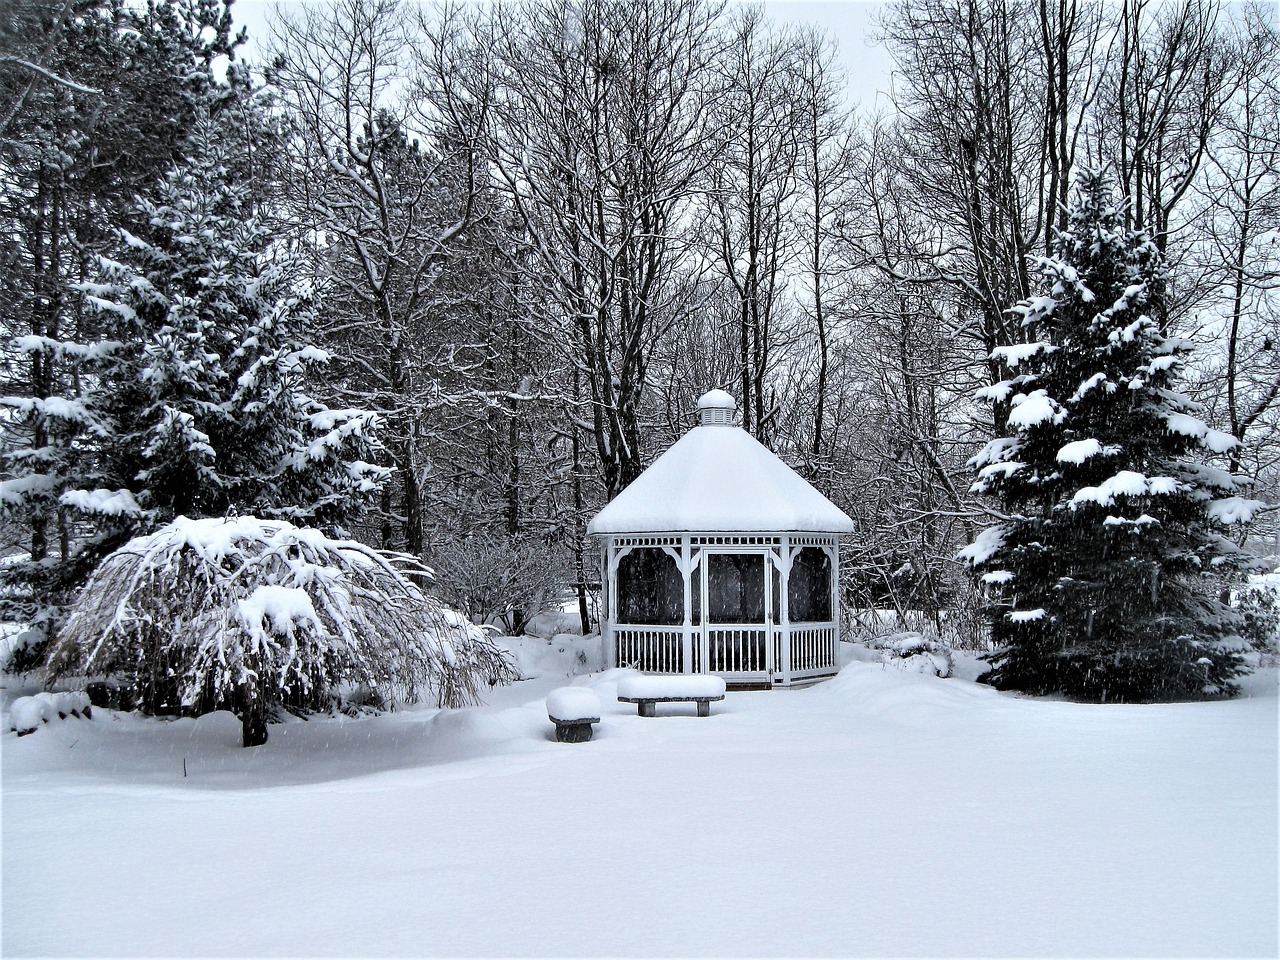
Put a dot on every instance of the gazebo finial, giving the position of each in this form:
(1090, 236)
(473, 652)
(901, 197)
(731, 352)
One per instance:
(716, 408)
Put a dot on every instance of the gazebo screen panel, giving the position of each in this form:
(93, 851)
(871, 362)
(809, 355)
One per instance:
(695, 597)
(735, 587)
(809, 587)
(650, 588)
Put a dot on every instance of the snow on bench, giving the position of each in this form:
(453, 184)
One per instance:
(646, 691)
(27, 713)
(573, 710)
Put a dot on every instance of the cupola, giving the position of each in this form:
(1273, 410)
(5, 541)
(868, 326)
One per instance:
(716, 409)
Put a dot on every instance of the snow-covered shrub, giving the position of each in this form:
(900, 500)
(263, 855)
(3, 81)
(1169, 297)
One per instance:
(363, 701)
(1259, 605)
(22, 650)
(915, 653)
(28, 713)
(500, 579)
(959, 627)
(247, 614)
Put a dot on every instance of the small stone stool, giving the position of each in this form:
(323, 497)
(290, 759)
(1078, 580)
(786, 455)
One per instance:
(573, 710)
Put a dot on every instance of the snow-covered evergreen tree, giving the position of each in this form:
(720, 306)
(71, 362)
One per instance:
(200, 398)
(1105, 571)
(109, 112)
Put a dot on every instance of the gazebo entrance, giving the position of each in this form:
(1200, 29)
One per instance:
(740, 615)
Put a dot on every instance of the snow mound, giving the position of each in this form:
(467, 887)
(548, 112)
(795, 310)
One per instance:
(920, 701)
(28, 713)
(564, 655)
(473, 732)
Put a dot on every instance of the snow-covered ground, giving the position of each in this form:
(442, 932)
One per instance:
(882, 813)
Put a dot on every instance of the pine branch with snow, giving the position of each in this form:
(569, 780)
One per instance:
(204, 402)
(186, 392)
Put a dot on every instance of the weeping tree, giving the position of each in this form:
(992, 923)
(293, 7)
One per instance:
(252, 616)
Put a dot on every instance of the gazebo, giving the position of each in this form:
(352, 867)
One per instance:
(721, 559)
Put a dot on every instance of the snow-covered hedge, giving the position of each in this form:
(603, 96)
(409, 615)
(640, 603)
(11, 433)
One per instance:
(248, 614)
(915, 653)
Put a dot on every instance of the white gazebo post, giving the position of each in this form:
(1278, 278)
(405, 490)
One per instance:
(720, 516)
(784, 615)
(686, 573)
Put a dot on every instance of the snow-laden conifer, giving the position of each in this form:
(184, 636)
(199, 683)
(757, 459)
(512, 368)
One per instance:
(107, 111)
(1105, 573)
(247, 615)
(202, 394)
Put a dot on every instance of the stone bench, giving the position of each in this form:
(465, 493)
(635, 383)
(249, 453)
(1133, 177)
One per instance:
(648, 691)
(573, 710)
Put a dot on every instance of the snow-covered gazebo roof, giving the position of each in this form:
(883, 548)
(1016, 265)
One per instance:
(719, 478)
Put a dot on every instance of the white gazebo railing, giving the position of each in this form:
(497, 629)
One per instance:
(813, 650)
(689, 583)
(736, 651)
(651, 649)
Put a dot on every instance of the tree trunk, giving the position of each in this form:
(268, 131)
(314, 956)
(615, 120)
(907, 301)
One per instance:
(251, 707)
(579, 565)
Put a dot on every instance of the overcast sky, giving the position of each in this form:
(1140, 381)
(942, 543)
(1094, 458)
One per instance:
(851, 22)
(854, 25)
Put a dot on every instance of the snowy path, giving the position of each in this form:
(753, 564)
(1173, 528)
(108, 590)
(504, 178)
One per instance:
(879, 814)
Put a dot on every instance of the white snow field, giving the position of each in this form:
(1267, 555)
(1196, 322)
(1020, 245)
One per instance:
(883, 813)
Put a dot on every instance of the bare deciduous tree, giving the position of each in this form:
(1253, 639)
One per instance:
(388, 176)
(599, 139)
